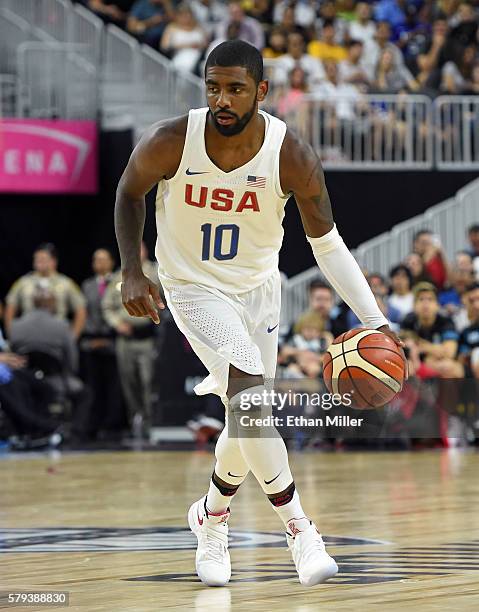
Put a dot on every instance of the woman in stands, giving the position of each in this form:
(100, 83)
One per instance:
(184, 40)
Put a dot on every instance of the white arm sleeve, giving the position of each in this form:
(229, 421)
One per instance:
(344, 274)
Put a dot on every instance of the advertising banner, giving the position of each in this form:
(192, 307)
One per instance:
(48, 156)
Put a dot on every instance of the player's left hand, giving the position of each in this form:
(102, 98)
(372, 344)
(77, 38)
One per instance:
(385, 329)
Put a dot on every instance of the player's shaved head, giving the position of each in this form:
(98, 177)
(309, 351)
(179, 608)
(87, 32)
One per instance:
(237, 53)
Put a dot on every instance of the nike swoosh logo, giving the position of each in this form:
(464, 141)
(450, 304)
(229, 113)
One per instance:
(270, 481)
(192, 173)
(234, 475)
(271, 329)
(200, 520)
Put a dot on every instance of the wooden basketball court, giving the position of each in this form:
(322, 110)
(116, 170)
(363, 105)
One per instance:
(110, 528)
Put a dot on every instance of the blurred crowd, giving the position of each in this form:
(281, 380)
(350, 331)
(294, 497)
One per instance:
(326, 46)
(324, 57)
(72, 355)
(433, 304)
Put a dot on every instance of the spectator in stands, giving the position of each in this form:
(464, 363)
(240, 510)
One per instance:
(250, 29)
(351, 70)
(346, 10)
(389, 11)
(148, 19)
(277, 44)
(472, 89)
(468, 351)
(428, 246)
(473, 250)
(209, 13)
(183, 40)
(430, 56)
(461, 276)
(322, 301)
(98, 350)
(290, 105)
(464, 25)
(422, 419)
(262, 11)
(41, 331)
(363, 27)
(24, 399)
(304, 13)
(464, 261)
(447, 8)
(296, 57)
(391, 77)
(402, 33)
(135, 346)
(232, 33)
(416, 266)
(326, 48)
(288, 23)
(457, 76)
(328, 11)
(302, 354)
(69, 299)
(373, 49)
(436, 332)
(378, 283)
(380, 291)
(341, 98)
(111, 11)
(401, 296)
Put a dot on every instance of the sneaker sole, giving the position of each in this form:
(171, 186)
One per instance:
(322, 575)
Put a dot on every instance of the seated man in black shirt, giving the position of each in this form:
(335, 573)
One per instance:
(437, 335)
(468, 351)
(111, 11)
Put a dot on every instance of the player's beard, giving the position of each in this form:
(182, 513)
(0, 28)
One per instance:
(235, 128)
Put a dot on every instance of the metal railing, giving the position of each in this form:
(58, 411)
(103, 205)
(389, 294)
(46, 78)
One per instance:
(14, 30)
(154, 85)
(50, 17)
(8, 95)
(449, 220)
(189, 92)
(142, 84)
(389, 132)
(382, 132)
(56, 82)
(23, 8)
(120, 71)
(85, 28)
(457, 132)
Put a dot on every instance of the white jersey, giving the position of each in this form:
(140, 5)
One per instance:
(221, 229)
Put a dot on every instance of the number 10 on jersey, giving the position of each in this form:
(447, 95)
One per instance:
(226, 233)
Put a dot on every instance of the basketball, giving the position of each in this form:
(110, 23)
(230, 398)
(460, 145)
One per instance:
(366, 364)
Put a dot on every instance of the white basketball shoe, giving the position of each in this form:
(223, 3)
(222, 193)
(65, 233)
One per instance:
(313, 563)
(213, 564)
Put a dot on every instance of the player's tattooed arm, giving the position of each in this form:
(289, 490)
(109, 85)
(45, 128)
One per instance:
(156, 156)
(302, 175)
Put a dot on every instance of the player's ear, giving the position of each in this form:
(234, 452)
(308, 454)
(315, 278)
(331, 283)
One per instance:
(263, 87)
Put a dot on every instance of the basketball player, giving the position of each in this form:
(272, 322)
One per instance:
(224, 175)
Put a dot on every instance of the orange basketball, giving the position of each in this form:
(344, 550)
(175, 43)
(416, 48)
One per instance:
(366, 364)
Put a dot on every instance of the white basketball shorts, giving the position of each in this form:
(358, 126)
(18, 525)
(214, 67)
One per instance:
(224, 328)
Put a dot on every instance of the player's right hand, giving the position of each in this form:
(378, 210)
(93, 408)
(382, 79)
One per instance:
(141, 297)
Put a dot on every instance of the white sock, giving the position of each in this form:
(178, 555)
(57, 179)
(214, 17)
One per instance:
(292, 515)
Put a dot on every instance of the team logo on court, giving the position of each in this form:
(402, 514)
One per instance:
(365, 562)
(93, 539)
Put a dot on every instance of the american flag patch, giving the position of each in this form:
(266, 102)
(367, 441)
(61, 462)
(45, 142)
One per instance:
(256, 181)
